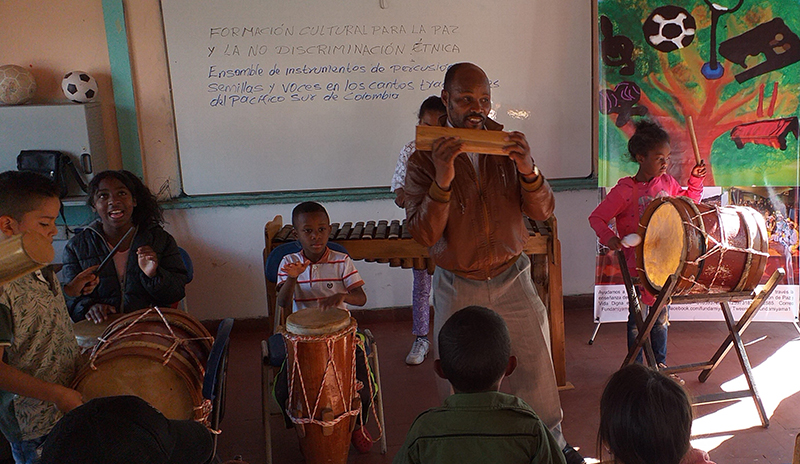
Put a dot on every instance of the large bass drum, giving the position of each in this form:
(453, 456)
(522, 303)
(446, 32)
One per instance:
(711, 249)
(158, 355)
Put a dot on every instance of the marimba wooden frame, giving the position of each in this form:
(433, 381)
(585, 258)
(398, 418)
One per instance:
(399, 249)
(733, 340)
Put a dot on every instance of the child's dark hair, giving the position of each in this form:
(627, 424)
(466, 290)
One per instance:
(474, 347)
(432, 103)
(645, 417)
(146, 212)
(647, 137)
(21, 192)
(308, 207)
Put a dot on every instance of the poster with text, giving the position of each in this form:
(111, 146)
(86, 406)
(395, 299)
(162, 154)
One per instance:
(733, 68)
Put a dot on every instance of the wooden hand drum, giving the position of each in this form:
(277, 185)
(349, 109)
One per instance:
(711, 249)
(323, 403)
(157, 355)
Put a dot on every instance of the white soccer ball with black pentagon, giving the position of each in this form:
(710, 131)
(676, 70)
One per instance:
(16, 85)
(79, 87)
(669, 28)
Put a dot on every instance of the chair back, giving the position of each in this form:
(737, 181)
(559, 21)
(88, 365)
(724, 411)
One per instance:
(214, 385)
(187, 262)
(275, 257)
(272, 256)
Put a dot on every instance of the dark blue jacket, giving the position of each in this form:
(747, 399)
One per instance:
(88, 248)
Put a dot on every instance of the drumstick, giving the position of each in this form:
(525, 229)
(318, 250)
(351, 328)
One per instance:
(693, 136)
(107, 259)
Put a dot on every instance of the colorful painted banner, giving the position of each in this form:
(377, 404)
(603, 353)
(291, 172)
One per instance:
(733, 66)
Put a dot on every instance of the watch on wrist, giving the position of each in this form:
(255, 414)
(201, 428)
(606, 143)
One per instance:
(535, 173)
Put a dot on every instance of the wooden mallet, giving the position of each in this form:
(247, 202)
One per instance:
(693, 136)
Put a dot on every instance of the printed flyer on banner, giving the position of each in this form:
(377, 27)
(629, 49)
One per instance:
(729, 70)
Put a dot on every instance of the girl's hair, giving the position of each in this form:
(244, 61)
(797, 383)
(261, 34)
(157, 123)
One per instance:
(648, 136)
(432, 103)
(146, 212)
(645, 417)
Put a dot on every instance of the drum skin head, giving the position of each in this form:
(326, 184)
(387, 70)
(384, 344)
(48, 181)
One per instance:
(315, 321)
(146, 378)
(87, 332)
(663, 244)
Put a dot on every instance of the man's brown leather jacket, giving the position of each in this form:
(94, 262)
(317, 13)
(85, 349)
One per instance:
(475, 229)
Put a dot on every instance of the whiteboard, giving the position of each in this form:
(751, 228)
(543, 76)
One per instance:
(313, 94)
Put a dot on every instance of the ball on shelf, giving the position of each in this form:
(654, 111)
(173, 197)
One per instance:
(16, 85)
(79, 86)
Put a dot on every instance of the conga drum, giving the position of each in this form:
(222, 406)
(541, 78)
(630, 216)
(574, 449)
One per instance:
(158, 355)
(322, 381)
(711, 249)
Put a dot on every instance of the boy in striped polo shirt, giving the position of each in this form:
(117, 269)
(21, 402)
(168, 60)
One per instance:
(319, 277)
(316, 276)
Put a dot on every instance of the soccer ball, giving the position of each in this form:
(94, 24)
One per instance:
(669, 28)
(79, 86)
(16, 84)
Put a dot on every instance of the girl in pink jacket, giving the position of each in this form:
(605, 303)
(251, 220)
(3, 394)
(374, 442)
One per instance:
(625, 203)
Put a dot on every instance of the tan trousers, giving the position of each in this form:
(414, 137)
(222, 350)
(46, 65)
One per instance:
(513, 296)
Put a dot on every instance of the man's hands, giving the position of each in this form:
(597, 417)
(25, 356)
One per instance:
(446, 149)
(520, 151)
(83, 283)
(99, 312)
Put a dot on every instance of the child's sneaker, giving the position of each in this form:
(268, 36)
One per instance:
(419, 350)
(361, 439)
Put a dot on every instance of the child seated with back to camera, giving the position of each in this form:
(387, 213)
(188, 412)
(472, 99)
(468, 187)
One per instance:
(39, 355)
(478, 423)
(646, 418)
(319, 278)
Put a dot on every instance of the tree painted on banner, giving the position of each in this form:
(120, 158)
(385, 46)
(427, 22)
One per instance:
(681, 72)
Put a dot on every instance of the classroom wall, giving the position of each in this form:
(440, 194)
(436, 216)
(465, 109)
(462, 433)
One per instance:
(51, 38)
(225, 242)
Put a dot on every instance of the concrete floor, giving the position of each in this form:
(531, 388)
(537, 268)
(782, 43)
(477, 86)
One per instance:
(731, 432)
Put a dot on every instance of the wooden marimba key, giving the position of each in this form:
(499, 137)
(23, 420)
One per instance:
(390, 242)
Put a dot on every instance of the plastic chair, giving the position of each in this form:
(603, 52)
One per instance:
(187, 263)
(271, 264)
(214, 384)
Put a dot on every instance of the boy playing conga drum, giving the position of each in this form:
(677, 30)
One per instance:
(319, 277)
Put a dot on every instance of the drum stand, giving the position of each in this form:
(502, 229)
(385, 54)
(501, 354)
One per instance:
(735, 330)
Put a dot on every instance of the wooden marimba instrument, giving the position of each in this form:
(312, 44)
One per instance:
(390, 242)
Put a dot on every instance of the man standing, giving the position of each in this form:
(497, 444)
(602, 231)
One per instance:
(468, 208)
